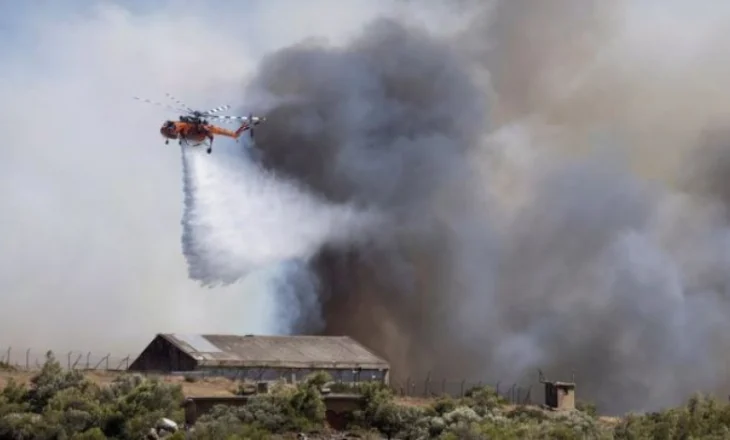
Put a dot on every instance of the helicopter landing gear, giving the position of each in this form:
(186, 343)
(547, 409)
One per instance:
(209, 150)
(167, 142)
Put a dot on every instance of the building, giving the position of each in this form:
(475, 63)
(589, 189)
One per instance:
(261, 358)
(558, 395)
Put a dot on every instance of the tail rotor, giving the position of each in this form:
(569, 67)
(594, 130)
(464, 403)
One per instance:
(251, 124)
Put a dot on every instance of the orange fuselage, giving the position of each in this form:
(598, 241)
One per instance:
(196, 132)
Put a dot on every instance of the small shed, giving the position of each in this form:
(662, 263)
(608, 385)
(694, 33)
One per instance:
(261, 358)
(560, 395)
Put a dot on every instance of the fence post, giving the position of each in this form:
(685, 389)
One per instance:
(69, 359)
(124, 361)
(96, 367)
(27, 359)
(463, 382)
(77, 361)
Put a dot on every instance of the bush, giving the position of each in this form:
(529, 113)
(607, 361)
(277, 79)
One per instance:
(4, 366)
(587, 408)
(702, 417)
(59, 404)
(284, 409)
(64, 404)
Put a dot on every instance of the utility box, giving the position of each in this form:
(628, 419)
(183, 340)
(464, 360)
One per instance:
(560, 395)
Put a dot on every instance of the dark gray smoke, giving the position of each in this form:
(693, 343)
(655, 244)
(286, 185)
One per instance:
(521, 237)
(387, 122)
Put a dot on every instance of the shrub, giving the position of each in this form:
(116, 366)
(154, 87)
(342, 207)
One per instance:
(4, 366)
(444, 405)
(483, 399)
(64, 404)
(587, 408)
(59, 404)
(702, 417)
(224, 422)
(284, 409)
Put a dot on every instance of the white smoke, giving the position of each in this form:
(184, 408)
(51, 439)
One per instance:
(90, 196)
(239, 218)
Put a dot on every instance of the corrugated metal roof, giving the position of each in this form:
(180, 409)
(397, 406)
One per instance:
(277, 351)
(197, 343)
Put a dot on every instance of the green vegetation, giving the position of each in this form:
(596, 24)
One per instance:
(59, 404)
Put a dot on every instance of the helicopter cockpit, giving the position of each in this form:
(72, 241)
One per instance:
(168, 130)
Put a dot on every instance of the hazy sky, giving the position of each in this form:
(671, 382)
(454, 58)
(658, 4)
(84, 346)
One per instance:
(91, 198)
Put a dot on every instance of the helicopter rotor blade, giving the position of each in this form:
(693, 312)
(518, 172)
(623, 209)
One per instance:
(227, 118)
(216, 110)
(180, 103)
(250, 124)
(169, 107)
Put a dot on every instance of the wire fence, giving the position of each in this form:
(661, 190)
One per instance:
(28, 359)
(429, 387)
(515, 393)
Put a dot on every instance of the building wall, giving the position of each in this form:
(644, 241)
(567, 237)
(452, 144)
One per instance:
(271, 374)
(164, 357)
(161, 356)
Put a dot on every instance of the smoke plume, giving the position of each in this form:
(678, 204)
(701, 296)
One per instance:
(553, 184)
(239, 220)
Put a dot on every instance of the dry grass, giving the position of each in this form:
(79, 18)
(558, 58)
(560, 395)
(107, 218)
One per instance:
(414, 401)
(213, 386)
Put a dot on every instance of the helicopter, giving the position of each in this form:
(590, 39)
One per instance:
(193, 129)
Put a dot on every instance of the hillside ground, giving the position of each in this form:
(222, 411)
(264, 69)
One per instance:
(200, 387)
